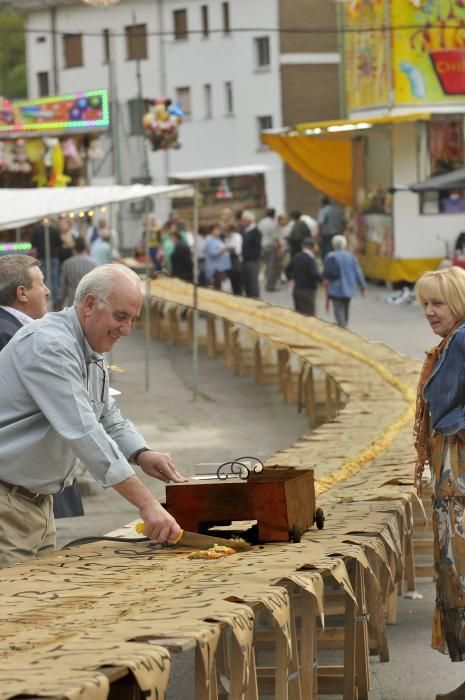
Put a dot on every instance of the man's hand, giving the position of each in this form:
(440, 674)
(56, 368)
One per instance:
(159, 525)
(160, 465)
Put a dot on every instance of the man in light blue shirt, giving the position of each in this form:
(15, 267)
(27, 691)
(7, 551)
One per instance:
(56, 410)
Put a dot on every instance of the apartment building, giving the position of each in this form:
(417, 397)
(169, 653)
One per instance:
(236, 68)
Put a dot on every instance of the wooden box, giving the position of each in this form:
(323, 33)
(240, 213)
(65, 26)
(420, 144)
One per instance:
(282, 501)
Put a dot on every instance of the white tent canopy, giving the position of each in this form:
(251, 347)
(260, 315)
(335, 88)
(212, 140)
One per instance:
(19, 207)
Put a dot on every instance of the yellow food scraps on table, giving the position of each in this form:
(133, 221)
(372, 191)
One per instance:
(215, 552)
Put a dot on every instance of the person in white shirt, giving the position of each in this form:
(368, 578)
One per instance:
(269, 229)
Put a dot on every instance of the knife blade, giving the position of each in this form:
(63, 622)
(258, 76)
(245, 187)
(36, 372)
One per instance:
(195, 540)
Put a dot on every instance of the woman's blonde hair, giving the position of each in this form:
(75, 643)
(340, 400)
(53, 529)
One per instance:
(447, 285)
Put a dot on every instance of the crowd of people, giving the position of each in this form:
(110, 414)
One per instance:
(236, 251)
(72, 254)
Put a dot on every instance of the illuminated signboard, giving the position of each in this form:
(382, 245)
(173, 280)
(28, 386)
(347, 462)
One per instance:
(81, 110)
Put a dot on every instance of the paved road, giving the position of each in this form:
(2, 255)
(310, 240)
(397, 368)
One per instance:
(234, 416)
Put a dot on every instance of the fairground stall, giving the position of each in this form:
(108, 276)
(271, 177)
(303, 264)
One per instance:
(239, 187)
(404, 67)
(50, 142)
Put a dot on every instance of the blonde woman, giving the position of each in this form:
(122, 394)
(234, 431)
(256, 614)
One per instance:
(440, 443)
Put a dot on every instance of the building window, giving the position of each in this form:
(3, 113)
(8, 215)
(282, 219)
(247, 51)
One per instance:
(229, 98)
(262, 51)
(136, 42)
(226, 23)
(180, 24)
(263, 123)
(207, 94)
(42, 84)
(136, 111)
(205, 22)
(72, 48)
(106, 45)
(183, 96)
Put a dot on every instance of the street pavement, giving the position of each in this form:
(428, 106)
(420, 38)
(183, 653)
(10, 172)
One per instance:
(233, 416)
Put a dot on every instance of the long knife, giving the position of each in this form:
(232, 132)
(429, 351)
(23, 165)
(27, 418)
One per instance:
(195, 540)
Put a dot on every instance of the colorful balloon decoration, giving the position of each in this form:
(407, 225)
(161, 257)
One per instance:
(161, 124)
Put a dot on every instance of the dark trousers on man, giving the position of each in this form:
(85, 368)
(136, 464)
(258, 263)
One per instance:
(324, 245)
(304, 301)
(341, 310)
(250, 272)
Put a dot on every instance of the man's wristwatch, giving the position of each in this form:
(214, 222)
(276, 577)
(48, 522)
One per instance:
(137, 453)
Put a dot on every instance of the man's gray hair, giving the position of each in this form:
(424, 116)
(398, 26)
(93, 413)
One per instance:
(339, 242)
(14, 273)
(101, 280)
(249, 215)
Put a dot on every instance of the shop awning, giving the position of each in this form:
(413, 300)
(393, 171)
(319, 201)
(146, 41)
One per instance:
(229, 171)
(446, 181)
(321, 152)
(349, 126)
(19, 207)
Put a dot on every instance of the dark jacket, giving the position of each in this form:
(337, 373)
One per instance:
(305, 271)
(38, 241)
(9, 324)
(181, 262)
(298, 232)
(251, 245)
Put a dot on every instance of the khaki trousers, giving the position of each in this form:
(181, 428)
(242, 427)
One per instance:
(27, 527)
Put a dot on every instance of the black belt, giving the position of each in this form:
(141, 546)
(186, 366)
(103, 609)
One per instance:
(22, 491)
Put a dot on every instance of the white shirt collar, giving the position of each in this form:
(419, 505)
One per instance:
(308, 252)
(22, 318)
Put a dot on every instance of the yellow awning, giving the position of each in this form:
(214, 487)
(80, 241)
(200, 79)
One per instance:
(325, 163)
(321, 152)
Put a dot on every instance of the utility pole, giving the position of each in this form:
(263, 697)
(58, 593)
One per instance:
(114, 113)
(163, 81)
(140, 98)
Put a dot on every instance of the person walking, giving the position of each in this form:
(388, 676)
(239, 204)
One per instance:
(331, 222)
(344, 276)
(73, 270)
(23, 299)
(60, 410)
(251, 253)
(439, 432)
(217, 258)
(102, 250)
(233, 241)
(306, 277)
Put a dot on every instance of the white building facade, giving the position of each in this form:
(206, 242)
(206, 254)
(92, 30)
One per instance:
(227, 80)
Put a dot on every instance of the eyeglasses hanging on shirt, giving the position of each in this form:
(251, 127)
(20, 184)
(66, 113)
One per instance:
(102, 374)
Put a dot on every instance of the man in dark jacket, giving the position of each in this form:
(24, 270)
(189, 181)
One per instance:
(251, 254)
(23, 298)
(306, 278)
(181, 259)
(23, 294)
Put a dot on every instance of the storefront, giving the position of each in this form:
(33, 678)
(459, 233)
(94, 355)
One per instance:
(51, 141)
(405, 94)
(237, 187)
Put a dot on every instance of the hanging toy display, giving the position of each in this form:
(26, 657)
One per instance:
(57, 177)
(161, 124)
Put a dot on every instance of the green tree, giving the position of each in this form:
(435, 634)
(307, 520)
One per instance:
(13, 83)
